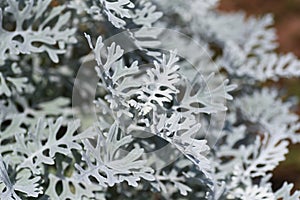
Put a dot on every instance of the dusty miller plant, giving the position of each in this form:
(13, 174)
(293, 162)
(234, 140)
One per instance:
(177, 98)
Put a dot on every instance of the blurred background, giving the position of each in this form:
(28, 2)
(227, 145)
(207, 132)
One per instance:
(287, 22)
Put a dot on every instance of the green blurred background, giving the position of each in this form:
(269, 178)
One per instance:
(287, 23)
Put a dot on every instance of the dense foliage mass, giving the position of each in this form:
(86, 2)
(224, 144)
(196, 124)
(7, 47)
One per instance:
(179, 107)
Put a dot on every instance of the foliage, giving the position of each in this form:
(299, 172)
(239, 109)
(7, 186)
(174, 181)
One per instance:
(178, 116)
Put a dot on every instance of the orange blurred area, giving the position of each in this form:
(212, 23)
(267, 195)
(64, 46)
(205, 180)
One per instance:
(287, 23)
(287, 18)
